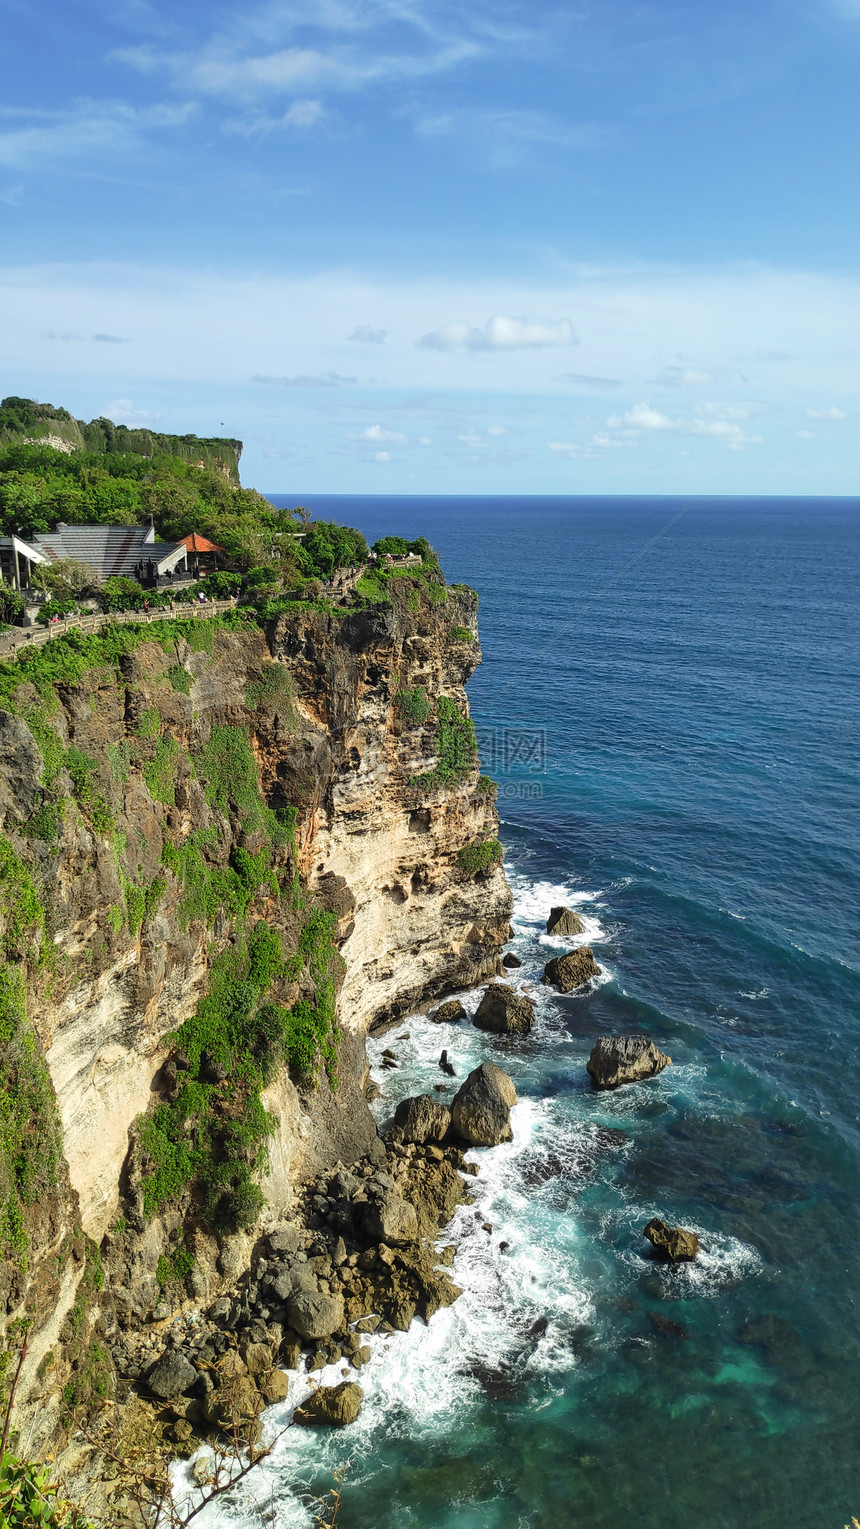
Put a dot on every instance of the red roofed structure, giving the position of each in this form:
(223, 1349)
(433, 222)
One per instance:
(197, 543)
(203, 555)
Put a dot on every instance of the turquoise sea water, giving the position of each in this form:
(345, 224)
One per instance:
(686, 773)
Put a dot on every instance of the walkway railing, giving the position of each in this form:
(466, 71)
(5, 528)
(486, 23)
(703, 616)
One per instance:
(19, 639)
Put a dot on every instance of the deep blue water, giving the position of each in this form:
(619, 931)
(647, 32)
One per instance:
(688, 773)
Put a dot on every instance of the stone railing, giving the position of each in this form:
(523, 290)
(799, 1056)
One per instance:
(21, 638)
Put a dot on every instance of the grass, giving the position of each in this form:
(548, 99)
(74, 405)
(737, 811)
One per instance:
(160, 772)
(273, 691)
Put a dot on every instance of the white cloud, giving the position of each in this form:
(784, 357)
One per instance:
(425, 440)
(497, 430)
(832, 413)
(501, 333)
(226, 68)
(805, 435)
(505, 138)
(106, 129)
(303, 114)
(691, 376)
(305, 380)
(376, 433)
(642, 417)
(583, 380)
(123, 412)
(383, 456)
(367, 335)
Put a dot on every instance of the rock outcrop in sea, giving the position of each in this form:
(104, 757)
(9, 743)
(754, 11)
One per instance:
(617, 1059)
(504, 1011)
(572, 970)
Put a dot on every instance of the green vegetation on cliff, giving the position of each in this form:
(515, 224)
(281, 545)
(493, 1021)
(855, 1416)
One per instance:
(456, 747)
(29, 1129)
(482, 856)
(211, 1137)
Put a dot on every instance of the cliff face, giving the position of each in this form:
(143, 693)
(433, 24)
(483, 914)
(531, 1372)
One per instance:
(163, 798)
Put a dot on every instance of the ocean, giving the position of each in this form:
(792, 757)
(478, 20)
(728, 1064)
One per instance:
(675, 740)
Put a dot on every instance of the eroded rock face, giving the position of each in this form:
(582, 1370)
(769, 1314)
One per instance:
(481, 1112)
(422, 1119)
(571, 970)
(671, 1243)
(331, 1406)
(617, 1059)
(564, 921)
(372, 848)
(21, 769)
(504, 1011)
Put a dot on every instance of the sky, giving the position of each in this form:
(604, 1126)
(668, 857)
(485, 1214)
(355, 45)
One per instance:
(412, 246)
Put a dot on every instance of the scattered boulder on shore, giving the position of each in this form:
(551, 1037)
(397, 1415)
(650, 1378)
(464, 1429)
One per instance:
(332, 1406)
(511, 961)
(504, 1011)
(391, 1219)
(671, 1243)
(571, 970)
(481, 1112)
(315, 1315)
(449, 1013)
(617, 1059)
(422, 1119)
(171, 1375)
(564, 921)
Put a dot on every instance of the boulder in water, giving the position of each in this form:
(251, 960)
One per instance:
(449, 1013)
(331, 1406)
(617, 1059)
(511, 961)
(564, 921)
(481, 1112)
(571, 970)
(504, 1011)
(422, 1119)
(671, 1243)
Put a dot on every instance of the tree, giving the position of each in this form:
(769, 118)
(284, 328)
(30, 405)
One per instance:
(68, 576)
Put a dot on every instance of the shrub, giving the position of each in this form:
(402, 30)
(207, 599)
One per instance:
(414, 706)
(58, 607)
(12, 604)
(120, 594)
(461, 634)
(475, 858)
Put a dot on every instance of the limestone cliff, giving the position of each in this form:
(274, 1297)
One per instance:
(169, 797)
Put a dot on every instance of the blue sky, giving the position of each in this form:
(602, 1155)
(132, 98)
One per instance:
(413, 246)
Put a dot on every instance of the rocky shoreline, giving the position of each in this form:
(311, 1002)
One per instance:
(357, 1257)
